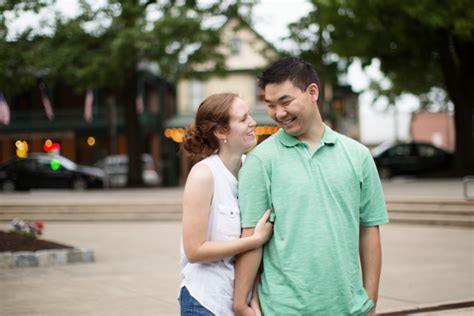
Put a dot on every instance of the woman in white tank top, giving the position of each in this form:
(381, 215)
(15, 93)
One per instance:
(222, 133)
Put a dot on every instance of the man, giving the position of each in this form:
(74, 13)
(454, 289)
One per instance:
(327, 203)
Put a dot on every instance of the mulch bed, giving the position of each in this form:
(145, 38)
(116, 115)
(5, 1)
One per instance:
(16, 242)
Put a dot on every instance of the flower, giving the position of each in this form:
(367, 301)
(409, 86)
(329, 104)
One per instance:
(31, 229)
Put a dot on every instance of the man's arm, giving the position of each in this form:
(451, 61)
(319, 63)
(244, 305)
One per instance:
(246, 269)
(370, 252)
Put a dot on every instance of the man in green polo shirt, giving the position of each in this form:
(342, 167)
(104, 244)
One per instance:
(327, 203)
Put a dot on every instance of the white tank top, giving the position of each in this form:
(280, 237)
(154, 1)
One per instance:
(212, 284)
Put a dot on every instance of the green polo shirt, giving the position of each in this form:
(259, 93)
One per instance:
(319, 201)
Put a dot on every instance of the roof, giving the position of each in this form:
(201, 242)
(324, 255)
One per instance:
(184, 119)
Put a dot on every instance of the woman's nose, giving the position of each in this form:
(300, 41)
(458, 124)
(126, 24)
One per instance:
(252, 122)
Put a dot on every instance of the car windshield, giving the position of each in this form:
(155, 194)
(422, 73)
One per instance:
(66, 163)
(119, 163)
(381, 148)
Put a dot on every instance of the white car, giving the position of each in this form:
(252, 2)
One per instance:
(116, 170)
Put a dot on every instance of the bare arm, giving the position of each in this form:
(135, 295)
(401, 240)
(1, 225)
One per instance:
(246, 268)
(370, 251)
(255, 300)
(196, 203)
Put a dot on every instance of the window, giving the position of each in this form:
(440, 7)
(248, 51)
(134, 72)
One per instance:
(235, 46)
(426, 151)
(399, 151)
(259, 97)
(195, 94)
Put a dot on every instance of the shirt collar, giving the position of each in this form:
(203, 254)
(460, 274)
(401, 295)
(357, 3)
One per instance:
(329, 137)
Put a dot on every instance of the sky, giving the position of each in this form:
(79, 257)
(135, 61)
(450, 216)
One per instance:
(271, 18)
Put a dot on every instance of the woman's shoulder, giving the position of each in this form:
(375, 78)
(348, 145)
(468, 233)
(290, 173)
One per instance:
(201, 171)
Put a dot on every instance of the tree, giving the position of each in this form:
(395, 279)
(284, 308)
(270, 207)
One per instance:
(102, 47)
(421, 45)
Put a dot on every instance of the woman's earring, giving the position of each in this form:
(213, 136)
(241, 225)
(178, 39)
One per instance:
(225, 141)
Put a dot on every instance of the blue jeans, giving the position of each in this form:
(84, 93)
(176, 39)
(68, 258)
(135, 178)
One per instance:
(190, 306)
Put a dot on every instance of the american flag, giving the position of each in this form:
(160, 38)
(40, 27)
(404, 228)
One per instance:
(48, 109)
(88, 106)
(4, 111)
(139, 104)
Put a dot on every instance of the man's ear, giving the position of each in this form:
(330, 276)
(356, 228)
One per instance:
(314, 91)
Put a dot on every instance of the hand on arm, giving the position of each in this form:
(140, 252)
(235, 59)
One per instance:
(196, 204)
(370, 251)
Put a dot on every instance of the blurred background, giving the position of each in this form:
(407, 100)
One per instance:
(98, 93)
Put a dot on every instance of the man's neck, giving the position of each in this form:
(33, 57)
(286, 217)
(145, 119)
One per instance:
(312, 138)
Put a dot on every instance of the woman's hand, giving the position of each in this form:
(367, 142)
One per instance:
(264, 229)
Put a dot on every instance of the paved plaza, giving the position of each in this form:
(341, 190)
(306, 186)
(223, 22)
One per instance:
(136, 271)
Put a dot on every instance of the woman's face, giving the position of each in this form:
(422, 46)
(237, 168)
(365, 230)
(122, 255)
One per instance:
(241, 127)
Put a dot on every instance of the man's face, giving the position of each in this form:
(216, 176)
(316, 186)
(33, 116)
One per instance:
(292, 109)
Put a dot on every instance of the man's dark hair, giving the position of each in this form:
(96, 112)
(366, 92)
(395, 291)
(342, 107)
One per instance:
(298, 71)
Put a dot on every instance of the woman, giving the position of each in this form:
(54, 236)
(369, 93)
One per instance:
(222, 133)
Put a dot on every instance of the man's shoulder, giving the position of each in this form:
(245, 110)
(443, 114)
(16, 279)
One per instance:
(352, 145)
(268, 146)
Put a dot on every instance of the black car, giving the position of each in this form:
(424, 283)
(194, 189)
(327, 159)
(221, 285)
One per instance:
(48, 171)
(410, 159)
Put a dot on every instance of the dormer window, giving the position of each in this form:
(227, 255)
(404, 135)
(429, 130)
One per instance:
(235, 45)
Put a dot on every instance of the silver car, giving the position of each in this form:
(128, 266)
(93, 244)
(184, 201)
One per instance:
(116, 170)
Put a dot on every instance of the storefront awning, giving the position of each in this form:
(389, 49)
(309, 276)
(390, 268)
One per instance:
(184, 119)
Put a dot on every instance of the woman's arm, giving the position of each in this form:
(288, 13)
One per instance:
(255, 300)
(197, 198)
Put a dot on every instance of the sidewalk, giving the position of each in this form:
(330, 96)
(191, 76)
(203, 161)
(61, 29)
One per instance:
(432, 202)
(137, 262)
(137, 270)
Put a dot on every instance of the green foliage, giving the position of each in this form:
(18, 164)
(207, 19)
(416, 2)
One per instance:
(100, 47)
(422, 45)
(405, 35)
(104, 47)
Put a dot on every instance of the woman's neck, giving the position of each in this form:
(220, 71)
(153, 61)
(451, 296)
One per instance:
(232, 161)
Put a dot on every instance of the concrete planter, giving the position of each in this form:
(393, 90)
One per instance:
(45, 258)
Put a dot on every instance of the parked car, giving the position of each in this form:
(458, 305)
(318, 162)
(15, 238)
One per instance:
(116, 170)
(39, 170)
(393, 158)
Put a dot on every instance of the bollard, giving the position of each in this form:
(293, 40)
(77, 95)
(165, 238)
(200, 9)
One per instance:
(467, 180)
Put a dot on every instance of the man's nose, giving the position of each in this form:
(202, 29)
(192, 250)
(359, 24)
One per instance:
(280, 112)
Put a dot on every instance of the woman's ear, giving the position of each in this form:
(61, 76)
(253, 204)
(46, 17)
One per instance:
(314, 91)
(220, 134)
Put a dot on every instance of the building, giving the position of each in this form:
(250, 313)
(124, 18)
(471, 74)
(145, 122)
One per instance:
(87, 137)
(246, 55)
(436, 128)
(341, 110)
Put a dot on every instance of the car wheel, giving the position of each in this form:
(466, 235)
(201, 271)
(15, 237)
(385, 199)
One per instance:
(385, 173)
(79, 184)
(8, 186)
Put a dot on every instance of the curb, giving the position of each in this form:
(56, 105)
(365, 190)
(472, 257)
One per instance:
(45, 258)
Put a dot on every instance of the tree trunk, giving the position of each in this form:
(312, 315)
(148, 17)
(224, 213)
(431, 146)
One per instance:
(458, 72)
(132, 130)
(464, 154)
